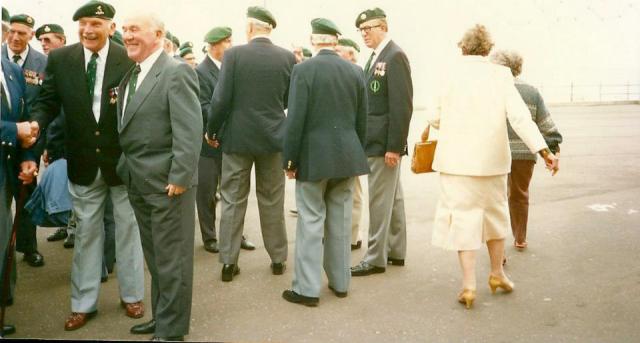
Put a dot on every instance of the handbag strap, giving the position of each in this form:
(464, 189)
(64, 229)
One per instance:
(425, 134)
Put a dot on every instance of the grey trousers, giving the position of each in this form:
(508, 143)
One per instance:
(324, 209)
(356, 213)
(88, 253)
(209, 169)
(6, 223)
(236, 179)
(167, 230)
(387, 220)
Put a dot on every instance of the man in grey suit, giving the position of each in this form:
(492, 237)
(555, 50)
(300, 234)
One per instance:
(218, 41)
(250, 100)
(324, 151)
(33, 64)
(160, 128)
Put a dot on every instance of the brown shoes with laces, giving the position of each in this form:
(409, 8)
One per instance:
(77, 320)
(134, 310)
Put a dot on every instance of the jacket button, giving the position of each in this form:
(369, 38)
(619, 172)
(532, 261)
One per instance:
(98, 150)
(97, 133)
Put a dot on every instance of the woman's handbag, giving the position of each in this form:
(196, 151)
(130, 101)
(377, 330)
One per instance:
(423, 153)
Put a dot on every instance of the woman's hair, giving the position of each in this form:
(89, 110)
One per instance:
(476, 41)
(510, 59)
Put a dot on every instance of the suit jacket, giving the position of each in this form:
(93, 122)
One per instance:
(161, 128)
(11, 154)
(89, 145)
(33, 69)
(326, 124)
(208, 73)
(390, 96)
(477, 98)
(251, 97)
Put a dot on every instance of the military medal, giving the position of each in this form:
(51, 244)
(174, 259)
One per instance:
(380, 69)
(375, 86)
(113, 95)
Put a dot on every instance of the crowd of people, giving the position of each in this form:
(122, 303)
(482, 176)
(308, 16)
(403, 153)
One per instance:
(145, 136)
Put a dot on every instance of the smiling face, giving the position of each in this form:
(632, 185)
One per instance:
(141, 37)
(94, 32)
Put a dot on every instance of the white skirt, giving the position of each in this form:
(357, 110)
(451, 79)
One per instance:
(471, 210)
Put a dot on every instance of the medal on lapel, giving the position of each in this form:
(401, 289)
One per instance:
(380, 69)
(374, 86)
(31, 77)
(113, 95)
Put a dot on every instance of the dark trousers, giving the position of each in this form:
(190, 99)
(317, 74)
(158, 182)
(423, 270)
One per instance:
(167, 232)
(26, 241)
(518, 190)
(209, 170)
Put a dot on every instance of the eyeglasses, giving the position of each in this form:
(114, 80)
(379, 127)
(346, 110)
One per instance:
(367, 29)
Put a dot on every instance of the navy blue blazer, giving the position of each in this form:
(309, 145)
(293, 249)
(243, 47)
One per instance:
(207, 72)
(33, 70)
(390, 96)
(327, 121)
(11, 154)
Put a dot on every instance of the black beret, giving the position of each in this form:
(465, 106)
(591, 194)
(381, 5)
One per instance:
(186, 45)
(49, 28)
(5, 14)
(97, 9)
(261, 14)
(23, 19)
(348, 42)
(185, 51)
(117, 38)
(324, 27)
(366, 15)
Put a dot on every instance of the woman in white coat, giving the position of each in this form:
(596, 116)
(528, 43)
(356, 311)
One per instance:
(473, 158)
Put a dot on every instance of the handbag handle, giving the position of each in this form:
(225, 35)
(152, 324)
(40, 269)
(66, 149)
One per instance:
(425, 134)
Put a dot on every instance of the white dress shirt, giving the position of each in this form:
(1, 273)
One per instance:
(101, 63)
(6, 89)
(216, 62)
(378, 50)
(23, 55)
(145, 67)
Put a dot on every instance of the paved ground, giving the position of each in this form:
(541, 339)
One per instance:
(578, 281)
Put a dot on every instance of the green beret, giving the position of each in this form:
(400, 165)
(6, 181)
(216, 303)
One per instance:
(324, 26)
(49, 28)
(186, 45)
(5, 14)
(23, 19)
(117, 38)
(97, 9)
(175, 40)
(168, 36)
(185, 51)
(373, 13)
(217, 34)
(306, 52)
(348, 42)
(261, 14)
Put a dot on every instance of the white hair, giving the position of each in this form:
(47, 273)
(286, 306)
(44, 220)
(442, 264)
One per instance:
(259, 24)
(322, 39)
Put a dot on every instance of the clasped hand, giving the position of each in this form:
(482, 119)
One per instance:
(27, 133)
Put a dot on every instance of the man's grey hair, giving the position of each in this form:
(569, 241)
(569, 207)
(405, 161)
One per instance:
(510, 59)
(322, 39)
(260, 25)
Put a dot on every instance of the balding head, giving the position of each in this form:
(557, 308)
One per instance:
(142, 34)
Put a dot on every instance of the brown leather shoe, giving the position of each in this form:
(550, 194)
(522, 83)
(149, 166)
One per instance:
(77, 320)
(134, 310)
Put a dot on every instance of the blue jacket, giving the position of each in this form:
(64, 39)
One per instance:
(50, 204)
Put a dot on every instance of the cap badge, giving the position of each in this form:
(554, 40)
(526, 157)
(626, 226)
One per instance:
(47, 29)
(29, 20)
(363, 16)
(99, 10)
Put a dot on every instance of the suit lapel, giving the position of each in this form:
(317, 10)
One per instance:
(145, 89)
(380, 58)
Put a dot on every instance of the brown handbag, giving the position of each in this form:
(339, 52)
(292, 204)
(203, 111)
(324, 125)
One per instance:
(423, 153)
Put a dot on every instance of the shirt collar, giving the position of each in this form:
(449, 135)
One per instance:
(215, 61)
(102, 54)
(23, 54)
(151, 59)
(260, 36)
(381, 46)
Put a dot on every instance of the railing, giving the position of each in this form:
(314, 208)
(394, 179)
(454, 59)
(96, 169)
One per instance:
(590, 93)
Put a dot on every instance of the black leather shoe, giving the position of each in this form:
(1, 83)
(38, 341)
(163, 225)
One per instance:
(338, 294)
(395, 261)
(168, 339)
(144, 328)
(8, 329)
(278, 268)
(211, 246)
(364, 269)
(293, 297)
(34, 259)
(58, 235)
(246, 245)
(229, 271)
(70, 241)
(356, 246)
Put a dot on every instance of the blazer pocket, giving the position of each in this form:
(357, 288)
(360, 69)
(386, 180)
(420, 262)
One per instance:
(377, 129)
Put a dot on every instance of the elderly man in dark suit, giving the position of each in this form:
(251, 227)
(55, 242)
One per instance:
(33, 64)
(160, 125)
(218, 40)
(250, 100)
(324, 152)
(16, 163)
(390, 106)
(82, 79)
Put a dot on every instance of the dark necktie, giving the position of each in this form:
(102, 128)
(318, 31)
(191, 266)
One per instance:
(368, 65)
(133, 81)
(91, 74)
(16, 58)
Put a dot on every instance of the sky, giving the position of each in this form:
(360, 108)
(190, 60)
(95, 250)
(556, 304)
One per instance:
(584, 42)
